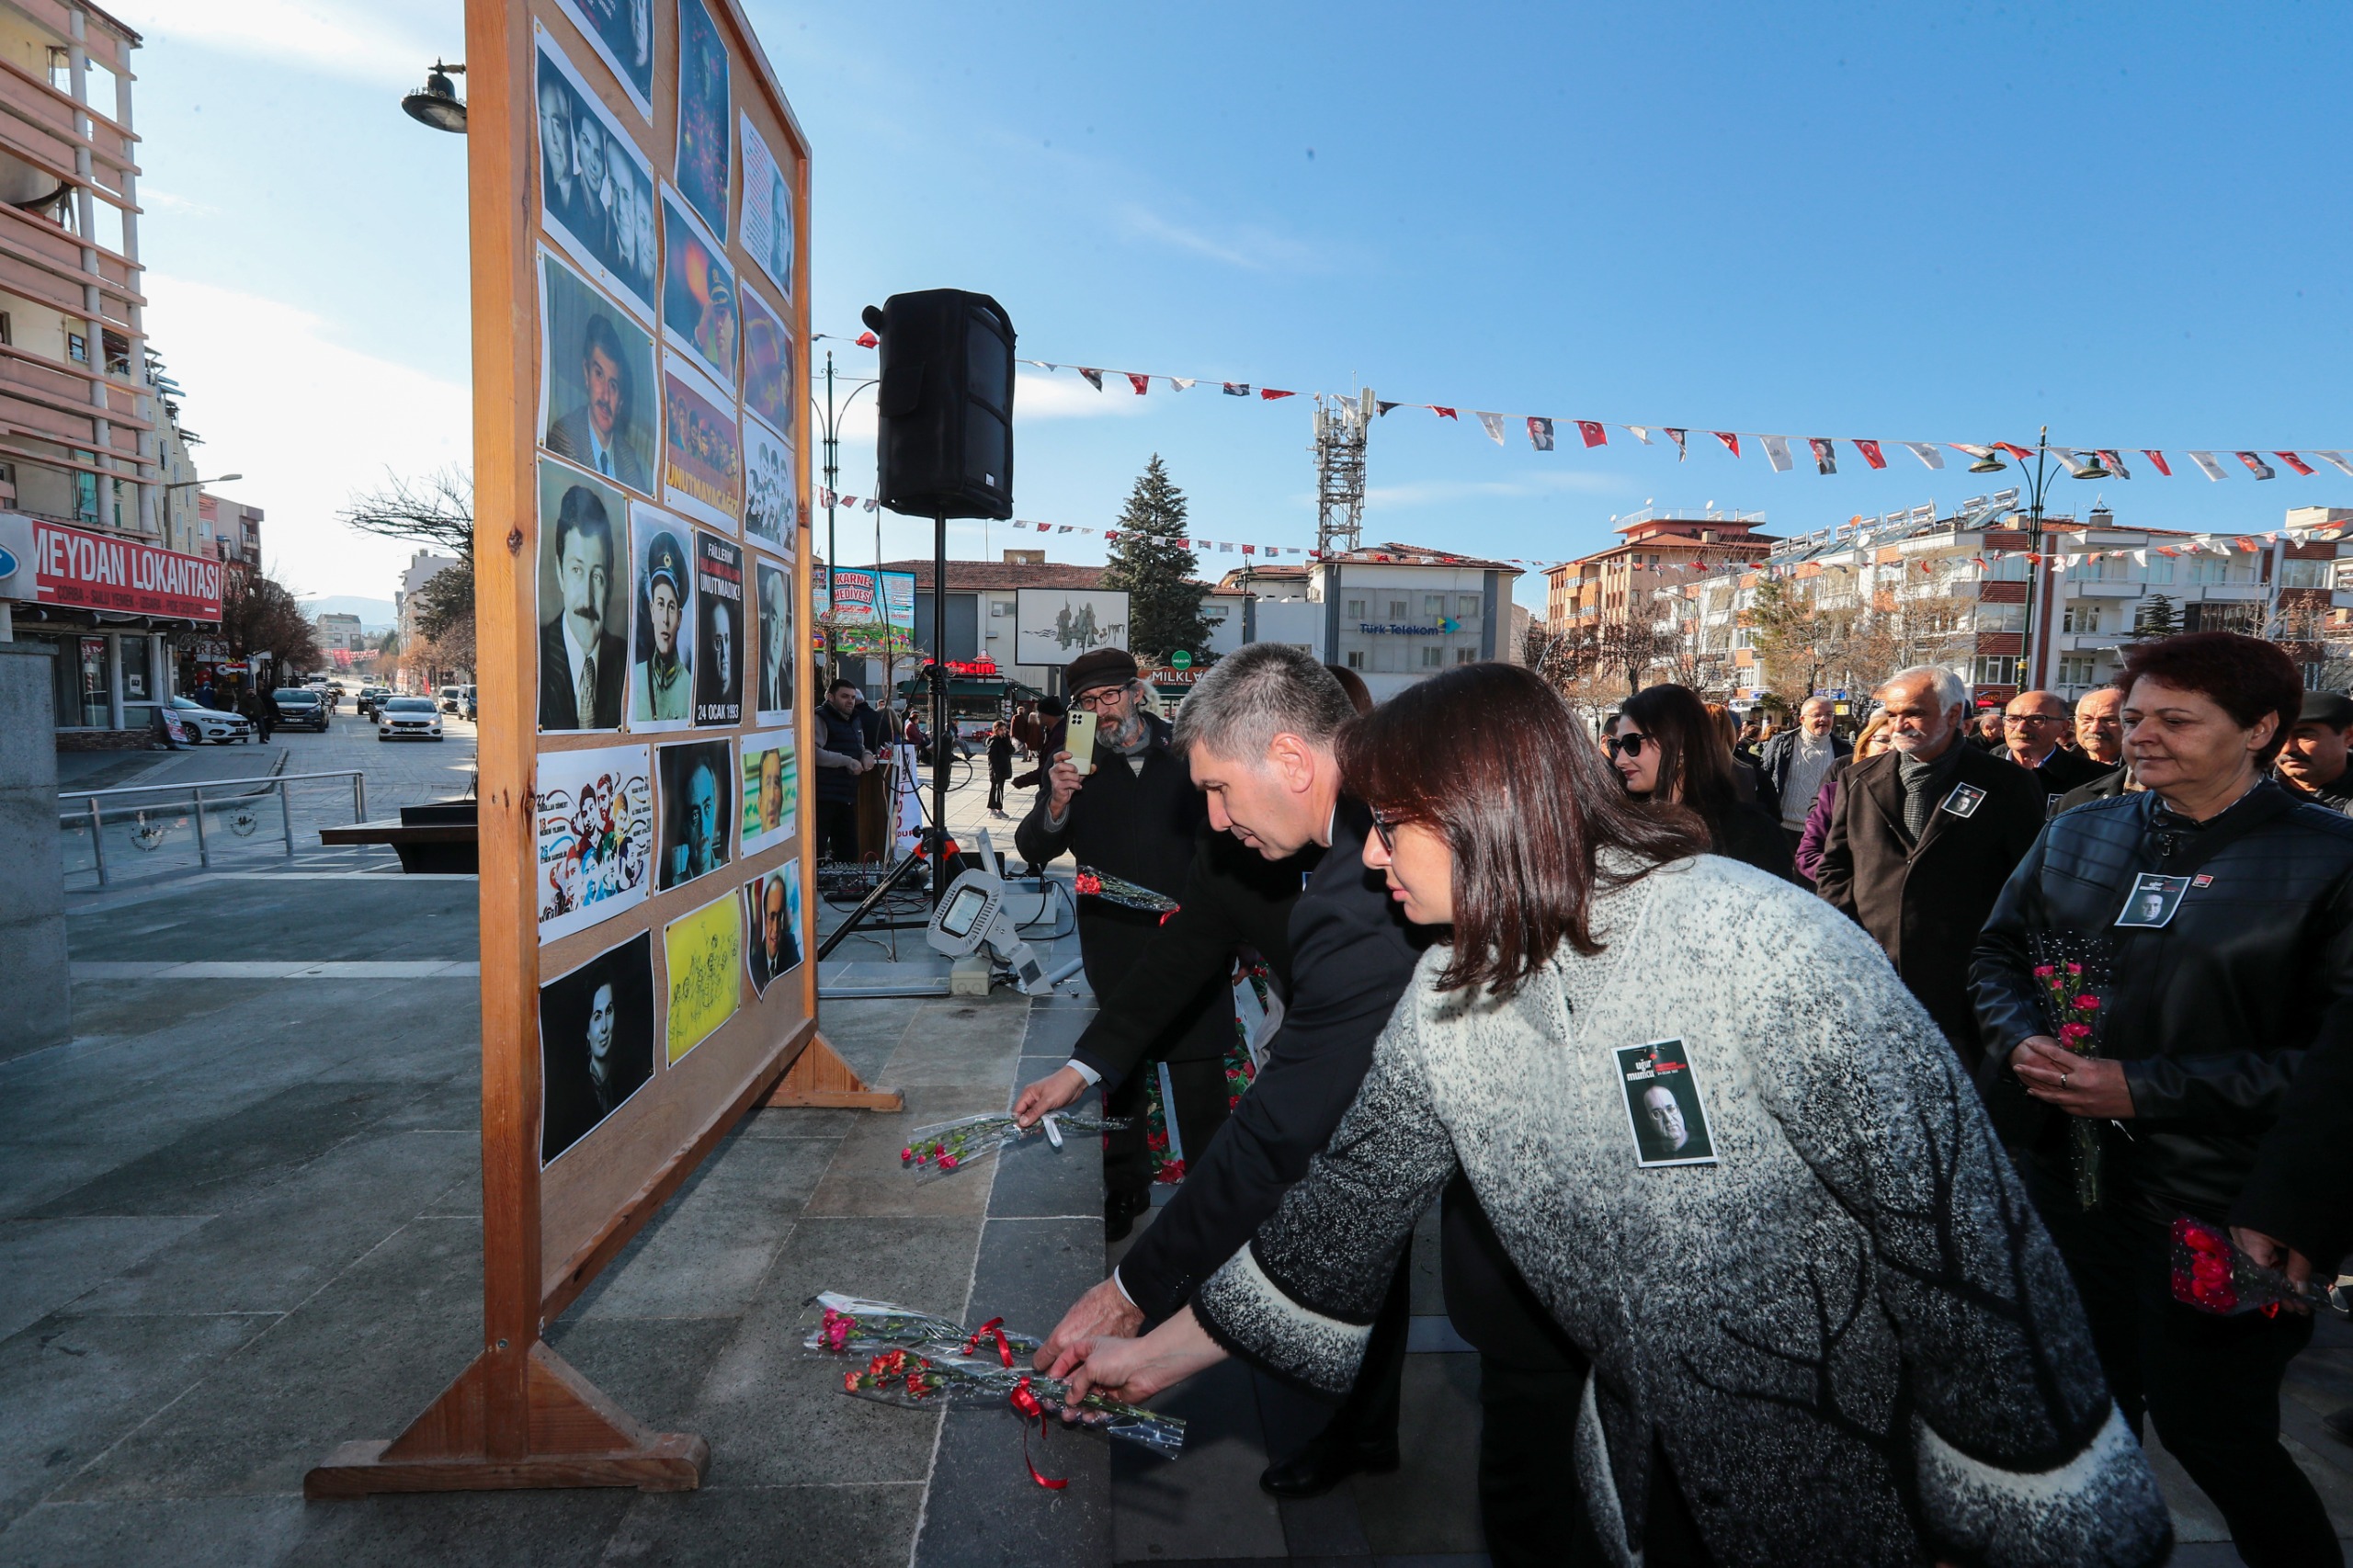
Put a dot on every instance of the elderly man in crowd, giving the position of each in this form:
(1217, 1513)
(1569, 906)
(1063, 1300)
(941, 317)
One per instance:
(2099, 736)
(1797, 761)
(1921, 840)
(2313, 758)
(2033, 725)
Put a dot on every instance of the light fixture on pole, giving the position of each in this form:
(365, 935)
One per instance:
(2094, 469)
(436, 103)
(216, 479)
(1988, 462)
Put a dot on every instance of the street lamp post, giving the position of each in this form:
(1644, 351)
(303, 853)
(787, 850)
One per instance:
(829, 417)
(2038, 484)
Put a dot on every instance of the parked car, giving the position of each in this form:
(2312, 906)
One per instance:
(408, 719)
(370, 697)
(466, 705)
(449, 699)
(204, 724)
(299, 707)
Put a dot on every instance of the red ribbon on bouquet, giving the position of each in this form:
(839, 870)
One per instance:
(1025, 1405)
(994, 1326)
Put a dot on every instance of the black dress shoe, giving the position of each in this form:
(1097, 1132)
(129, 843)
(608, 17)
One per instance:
(1326, 1461)
(1119, 1211)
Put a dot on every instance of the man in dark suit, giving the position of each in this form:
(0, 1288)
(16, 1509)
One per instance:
(1922, 840)
(581, 663)
(2032, 727)
(596, 435)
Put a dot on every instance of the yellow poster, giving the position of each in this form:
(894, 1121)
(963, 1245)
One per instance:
(703, 952)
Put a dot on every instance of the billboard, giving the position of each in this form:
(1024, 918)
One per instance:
(52, 565)
(1053, 626)
(871, 610)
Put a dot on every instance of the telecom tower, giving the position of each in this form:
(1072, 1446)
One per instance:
(1341, 424)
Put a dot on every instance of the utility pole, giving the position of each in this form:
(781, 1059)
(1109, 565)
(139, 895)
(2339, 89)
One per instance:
(831, 427)
(1341, 426)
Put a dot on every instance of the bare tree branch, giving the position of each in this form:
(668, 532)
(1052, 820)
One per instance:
(437, 509)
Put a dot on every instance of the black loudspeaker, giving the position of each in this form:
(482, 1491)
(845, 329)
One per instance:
(945, 447)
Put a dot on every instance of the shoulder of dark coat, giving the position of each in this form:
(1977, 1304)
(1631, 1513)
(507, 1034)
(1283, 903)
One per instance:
(1999, 775)
(2313, 817)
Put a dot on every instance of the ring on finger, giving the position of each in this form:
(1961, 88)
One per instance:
(2063, 1080)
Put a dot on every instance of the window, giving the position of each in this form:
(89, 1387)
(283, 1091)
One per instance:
(2239, 618)
(1467, 604)
(2207, 569)
(1433, 656)
(2010, 568)
(2078, 669)
(86, 498)
(2160, 569)
(77, 348)
(1355, 658)
(1432, 605)
(1356, 612)
(2080, 617)
(2000, 617)
(1396, 610)
(1466, 655)
(2304, 573)
(1993, 669)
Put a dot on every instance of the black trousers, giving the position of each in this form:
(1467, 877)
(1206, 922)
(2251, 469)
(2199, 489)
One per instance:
(997, 791)
(2211, 1385)
(1200, 1111)
(838, 830)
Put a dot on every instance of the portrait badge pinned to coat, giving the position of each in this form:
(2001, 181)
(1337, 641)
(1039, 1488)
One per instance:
(1663, 1109)
(1963, 802)
(2153, 901)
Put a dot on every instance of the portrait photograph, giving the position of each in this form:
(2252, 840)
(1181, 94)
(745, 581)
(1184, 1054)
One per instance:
(771, 489)
(703, 958)
(598, 384)
(698, 811)
(596, 1043)
(721, 634)
(592, 815)
(597, 191)
(768, 365)
(583, 604)
(699, 315)
(773, 589)
(702, 455)
(704, 114)
(621, 32)
(2154, 900)
(661, 671)
(772, 915)
(1663, 1105)
(771, 790)
(764, 226)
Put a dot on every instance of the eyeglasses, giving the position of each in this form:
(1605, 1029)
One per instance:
(1630, 746)
(2034, 718)
(1095, 701)
(1386, 826)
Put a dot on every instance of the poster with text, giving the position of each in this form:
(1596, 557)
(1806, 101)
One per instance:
(771, 489)
(621, 32)
(721, 632)
(697, 803)
(1053, 626)
(773, 585)
(583, 602)
(772, 913)
(769, 366)
(702, 952)
(703, 456)
(771, 790)
(596, 1043)
(597, 380)
(596, 188)
(765, 228)
(661, 671)
(698, 298)
(593, 821)
(704, 118)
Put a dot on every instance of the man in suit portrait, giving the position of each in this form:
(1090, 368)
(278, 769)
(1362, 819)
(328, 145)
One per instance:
(581, 662)
(597, 434)
(559, 190)
(776, 642)
(776, 945)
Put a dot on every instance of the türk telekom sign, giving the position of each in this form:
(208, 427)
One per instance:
(49, 563)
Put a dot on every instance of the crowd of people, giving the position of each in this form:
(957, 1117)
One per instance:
(1807, 1114)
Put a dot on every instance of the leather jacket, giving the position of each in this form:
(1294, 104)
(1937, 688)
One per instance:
(2210, 1013)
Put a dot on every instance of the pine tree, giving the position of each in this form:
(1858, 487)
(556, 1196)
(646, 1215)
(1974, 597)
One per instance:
(2156, 617)
(1151, 562)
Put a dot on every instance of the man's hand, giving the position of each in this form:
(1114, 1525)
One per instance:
(2272, 1252)
(1063, 782)
(1132, 1370)
(1052, 1092)
(2093, 1087)
(1104, 1312)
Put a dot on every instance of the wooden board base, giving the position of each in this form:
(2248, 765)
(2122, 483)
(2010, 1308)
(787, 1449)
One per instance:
(819, 1077)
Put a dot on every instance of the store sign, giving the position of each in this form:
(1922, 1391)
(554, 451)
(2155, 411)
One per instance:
(58, 565)
(1394, 630)
(1169, 674)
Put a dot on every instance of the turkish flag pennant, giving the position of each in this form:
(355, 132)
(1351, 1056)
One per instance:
(1142, 383)
(1676, 436)
(1094, 378)
(2257, 467)
(1731, 441)
(2115, 464)
(1870, 453)
(1249, 550)
(1237, 389)
(867, 340)
(2157, 461)
(2018, 452)
(1539, 433)
(1110, 533)
(1595, 436)
(1825, 454)
(1269, 393)
(1441, 412)
(2292, 461)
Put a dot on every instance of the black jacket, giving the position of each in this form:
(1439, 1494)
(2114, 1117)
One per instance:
(2210, 1013)
(2062, 770)
(2106, 787)
(1749, 834)
(1924, 902)
(2302, 1188)
(558, 704)
(845, 737)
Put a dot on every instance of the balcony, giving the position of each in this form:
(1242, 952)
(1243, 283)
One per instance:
(2106, 590)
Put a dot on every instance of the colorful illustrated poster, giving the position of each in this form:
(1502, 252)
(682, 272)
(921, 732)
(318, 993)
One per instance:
(596, 381)
(765, 229)
(621, 32)
(593, 821)
(661, 672)
(702, 455)
(773, 585)
(771, 790)
(699, 783)
(596, 188)
(772, 913)
(720, 639)
(703, 115)
(769, 366)
(596, 1043)
(771, 489)
(702, 952)
(583, 607)
(698, 298)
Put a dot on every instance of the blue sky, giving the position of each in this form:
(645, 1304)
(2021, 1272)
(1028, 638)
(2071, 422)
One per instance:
(1947, 223)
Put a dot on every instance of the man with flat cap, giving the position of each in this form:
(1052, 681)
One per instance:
(2313, 758)
(658, 683)
(1134, 815)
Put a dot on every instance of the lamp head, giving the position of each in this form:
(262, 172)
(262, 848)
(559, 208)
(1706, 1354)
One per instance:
(436, 104)
(2094, 469)
(1990, 463)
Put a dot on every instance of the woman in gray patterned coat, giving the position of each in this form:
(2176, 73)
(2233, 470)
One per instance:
(1731, 1154)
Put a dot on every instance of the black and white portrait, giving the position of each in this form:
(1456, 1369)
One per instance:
(597, 192)
(584, 612)
(595, 1041)
(766, 221)
(621, 32)
(1663, 1109)
(721, 634)
(697, 808)
(775, 594)
(771, 489)
(598, 384)
(2153, 901)
(772, 913)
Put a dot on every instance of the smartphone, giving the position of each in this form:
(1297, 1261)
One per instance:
(1078, 739)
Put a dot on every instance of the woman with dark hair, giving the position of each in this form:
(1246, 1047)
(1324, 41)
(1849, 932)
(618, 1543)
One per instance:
(2197, 934)
(1672, 754)
(1727, 1151)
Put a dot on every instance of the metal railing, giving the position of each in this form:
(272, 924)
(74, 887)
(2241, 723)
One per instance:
(236, 794)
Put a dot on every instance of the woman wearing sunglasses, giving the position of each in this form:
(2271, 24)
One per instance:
(1727, 1151)
(1670, 753)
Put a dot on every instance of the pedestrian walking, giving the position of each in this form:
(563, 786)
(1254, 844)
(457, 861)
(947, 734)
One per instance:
(1670, 753)
(1816, 836)
(2209, 919)
(1796, 763)
(258, 709)
(1000, 765)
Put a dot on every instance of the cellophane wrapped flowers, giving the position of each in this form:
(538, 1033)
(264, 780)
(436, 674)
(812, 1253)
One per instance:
(1092, 883)
(2071, 970)
(2211, 1273)
(945, 1147)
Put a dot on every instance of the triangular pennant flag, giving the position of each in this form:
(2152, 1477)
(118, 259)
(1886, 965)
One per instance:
(867, 340)
(1642, 433)
(2206, 460)
(2018, 452)
(1731, 441)
(1225, 548)
(1237, 389)
(2292, 461)
(1676, 436)
(1492, 423)
(1441, 412)
(1110, 533)
(2157, 461)
(1595, 436)
(2076, 466)
(1269, 394)
(1065, 529)
(2336, 460)
(1249, 550)
(1142, 383)
(1180, 382)
(1539, 433)
(1777, 452)
(2257, 467)
(1870, 453)
(1825, 454)
(1384, 407)
(849, 501)
(1094, 378)
(1929, 455)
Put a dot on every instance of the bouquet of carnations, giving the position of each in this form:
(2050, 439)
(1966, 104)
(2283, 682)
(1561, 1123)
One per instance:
(948, 1146)
(2211, 1273)
(854, 1326)
(1120, 890)
(2071, 969)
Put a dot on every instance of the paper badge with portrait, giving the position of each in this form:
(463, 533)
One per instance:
(598, 390)
(698, 811)
(702, 453)
(621, 32)
(772, 586)
(583, 590)
(700, 316)
(662, 617)
(771, 490)
(596, 190)
(772, 915)
(1665, 1113)
(596, 1043)
(765, 223)
(722, 634)
(705, 116)
(593, 825)
(771, 789)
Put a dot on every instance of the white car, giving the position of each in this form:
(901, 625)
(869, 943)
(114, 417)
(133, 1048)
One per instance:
(202, 723)
(408, 719)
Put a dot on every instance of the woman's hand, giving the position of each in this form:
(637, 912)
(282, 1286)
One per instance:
(1132, 1370)
(2086, 1086)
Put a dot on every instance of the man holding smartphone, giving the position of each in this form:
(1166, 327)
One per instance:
(1129, 808)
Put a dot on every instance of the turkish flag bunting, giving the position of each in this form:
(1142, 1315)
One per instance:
(867, 340)
(1595, 436)
(1731, 441)
(2292, 461)
(1870, 453)
(2018, 452)
(2157, 461)
(1441, 412)
(1269, 393)
(1142, 383)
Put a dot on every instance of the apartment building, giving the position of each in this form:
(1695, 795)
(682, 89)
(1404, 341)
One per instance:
(1660, 547)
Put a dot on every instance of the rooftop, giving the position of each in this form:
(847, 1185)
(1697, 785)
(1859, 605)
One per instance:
(1397, 554)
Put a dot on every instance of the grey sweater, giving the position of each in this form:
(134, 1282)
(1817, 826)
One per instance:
(1850, 1333)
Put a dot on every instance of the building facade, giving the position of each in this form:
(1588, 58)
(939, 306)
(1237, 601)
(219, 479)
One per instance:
(1659, 549)
(1399, 613)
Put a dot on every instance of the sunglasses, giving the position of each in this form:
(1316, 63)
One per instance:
(1629, 746)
